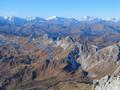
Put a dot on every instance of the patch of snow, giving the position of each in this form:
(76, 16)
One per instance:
(53, 17)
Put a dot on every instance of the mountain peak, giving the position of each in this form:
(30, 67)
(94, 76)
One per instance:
(53, 17)
(10, 17)
(33, 18)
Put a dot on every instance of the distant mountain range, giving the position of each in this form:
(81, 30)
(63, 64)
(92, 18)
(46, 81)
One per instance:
(85, 18)
(87, 28)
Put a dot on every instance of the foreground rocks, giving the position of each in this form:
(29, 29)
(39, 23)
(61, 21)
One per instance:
(107, 83)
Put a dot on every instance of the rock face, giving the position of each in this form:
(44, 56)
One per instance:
(107, 58)
(107, 83)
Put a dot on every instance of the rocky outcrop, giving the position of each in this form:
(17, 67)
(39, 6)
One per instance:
(107, 58)
(107, 83)
(85, 52)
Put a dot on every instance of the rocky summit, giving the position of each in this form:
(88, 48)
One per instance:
(59, 54)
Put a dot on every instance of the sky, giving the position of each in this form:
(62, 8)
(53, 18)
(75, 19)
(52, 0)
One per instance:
(60, 8)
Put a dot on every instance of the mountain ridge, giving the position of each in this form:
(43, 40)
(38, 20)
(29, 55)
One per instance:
(85, 18)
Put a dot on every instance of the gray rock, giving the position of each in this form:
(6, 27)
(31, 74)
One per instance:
(107, 83)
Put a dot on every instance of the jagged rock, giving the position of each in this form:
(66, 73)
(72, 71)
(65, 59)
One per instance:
(85, 52)
(107, 83)
(108, 58)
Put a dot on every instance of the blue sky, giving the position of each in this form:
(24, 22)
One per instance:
(62, 8)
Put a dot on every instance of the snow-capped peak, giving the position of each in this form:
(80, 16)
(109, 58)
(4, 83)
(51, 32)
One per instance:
(53, 17)
(14, 20)
(34, 19)
(88, 18)
(10, 18)
(30, 18)
(114, 19)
